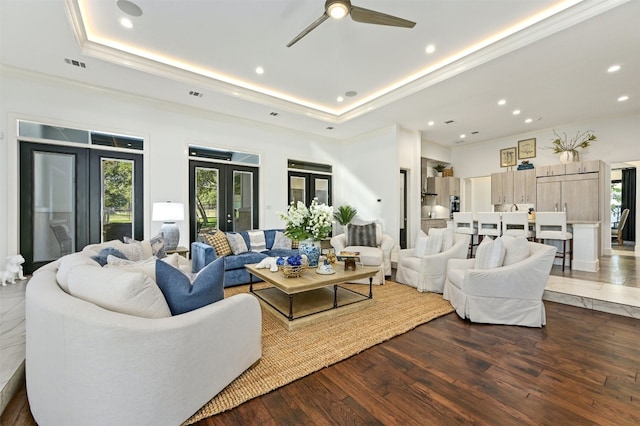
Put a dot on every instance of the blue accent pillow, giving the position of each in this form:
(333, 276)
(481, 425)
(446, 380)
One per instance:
(184, 296)
(101, 257)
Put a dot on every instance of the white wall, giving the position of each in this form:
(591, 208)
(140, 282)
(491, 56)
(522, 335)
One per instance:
(168, 130)
(409, 149)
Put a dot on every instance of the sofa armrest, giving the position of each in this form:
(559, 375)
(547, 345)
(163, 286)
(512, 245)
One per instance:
(436, 264)
(201, 255)
(386, 245)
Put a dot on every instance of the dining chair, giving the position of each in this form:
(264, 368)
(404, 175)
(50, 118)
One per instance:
(489, 223)
(463, 223)
(553, 226)
(517, 224)
(618, 227)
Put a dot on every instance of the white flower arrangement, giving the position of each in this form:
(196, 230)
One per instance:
(302, 223)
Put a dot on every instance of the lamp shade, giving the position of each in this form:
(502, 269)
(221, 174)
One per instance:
(167, 212)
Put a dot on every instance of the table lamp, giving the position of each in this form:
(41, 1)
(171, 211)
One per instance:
(168, 213)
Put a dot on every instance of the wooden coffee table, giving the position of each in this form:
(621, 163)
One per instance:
(312, 296)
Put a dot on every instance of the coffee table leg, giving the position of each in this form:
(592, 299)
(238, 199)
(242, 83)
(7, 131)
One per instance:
(370, 287)
(335, 296)
(291, 307)
(250, 283)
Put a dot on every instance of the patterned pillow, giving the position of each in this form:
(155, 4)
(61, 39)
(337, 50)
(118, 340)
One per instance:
(361, 235)
(236, 242)
(295, 244)
(157, 246)
(219, 242)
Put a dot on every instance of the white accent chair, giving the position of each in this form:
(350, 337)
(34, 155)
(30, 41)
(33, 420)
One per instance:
(463, 224)
(515, 224)
(369, 256)
(510, 294)
(553, 226)
(427, 273)
(489, 223)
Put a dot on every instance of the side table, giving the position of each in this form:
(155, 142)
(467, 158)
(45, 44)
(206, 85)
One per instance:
(182, 251)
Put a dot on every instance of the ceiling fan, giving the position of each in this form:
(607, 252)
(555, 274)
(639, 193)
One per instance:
(338, 9)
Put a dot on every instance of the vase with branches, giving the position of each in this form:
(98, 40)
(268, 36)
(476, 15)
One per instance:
(568, 147)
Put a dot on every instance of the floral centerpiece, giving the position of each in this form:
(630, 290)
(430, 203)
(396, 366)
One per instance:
(309, 226)
(569, 147)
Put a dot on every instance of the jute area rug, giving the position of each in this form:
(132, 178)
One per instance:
(290, 355)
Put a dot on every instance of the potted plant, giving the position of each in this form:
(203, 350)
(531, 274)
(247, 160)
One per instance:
(568, 148)
(345, 214)
(439, 168)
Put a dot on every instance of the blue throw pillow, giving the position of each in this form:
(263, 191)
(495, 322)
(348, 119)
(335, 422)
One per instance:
(183, 296)
(101, 257)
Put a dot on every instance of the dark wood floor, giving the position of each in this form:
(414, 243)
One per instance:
(582, 368)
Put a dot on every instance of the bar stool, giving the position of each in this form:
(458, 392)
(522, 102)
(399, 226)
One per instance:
(463, 224)
(489, 224)
(553, 226)
(516, 224)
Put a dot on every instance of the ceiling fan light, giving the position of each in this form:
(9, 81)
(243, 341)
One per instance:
(337, 10)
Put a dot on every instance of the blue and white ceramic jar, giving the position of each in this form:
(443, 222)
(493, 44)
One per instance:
(311, 249)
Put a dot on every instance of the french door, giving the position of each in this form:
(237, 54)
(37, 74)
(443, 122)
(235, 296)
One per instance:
(307, 186)
(71, 197)
(222, 196)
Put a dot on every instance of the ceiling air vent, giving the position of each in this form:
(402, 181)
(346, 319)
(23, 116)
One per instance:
(274, 114)
(475, 133)
(75, 63)
(449, 122)
(194, 93)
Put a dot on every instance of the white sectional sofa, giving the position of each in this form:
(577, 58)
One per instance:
(87, 365)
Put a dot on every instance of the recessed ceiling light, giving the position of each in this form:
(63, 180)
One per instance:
(613, 68)
(128, 7)
(340, 99)
(462, 136)
(516, 112)
(126, 22)
(431, 123)
(430, 49)
(259, 70)
(623, 98)
(528, 120)
(502, 102)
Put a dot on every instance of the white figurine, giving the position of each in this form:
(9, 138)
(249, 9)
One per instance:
(13, 270)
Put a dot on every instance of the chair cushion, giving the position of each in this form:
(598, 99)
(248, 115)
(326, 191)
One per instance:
(361, 235)
(516, 249)
(447, 237)
(369, 256)
(490, 254)
(218, 240)
(182, 295)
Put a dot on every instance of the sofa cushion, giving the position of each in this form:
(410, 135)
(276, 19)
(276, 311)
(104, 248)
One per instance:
(218, 240)
(490, 254)
(362, 235)
(447, 237)
(238, 261)
(130, 293)
(281, 241)
(101, 257)
(182, 295)
(516, 249)
(147, 266)
(257, 241)
(67, 263)
(237, 243)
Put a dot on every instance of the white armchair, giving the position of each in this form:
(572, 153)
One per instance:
(428, 273)
(370, 256)
(509, 294)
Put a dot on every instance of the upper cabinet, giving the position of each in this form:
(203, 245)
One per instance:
(502, 188)
(443, 187)
(553, 170)
(582, 167)
(524, 186)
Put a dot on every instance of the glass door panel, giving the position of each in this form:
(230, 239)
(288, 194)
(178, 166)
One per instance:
(54, 201)
(242, 201)
(206, 199)
(117, 199)
(297, 191)
(322, 188)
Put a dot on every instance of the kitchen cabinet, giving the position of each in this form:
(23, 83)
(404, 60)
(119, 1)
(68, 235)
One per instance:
(524, 186)
(553, 170)
(444, 187)
(577, 194)
(582, 167)
(427, 224)
(502, 188)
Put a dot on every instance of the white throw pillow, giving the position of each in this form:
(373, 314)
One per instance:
(131, 293)
(257, 241)
(447, 237)
(281, 241)
(516, 249)
(237, 243)
(147, 266)
(428, 245)
(421, 244)
(68, 263)
(490, 254)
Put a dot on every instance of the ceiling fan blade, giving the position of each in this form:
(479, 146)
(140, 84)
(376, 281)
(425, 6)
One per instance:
(310, 28)
(367, 16)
